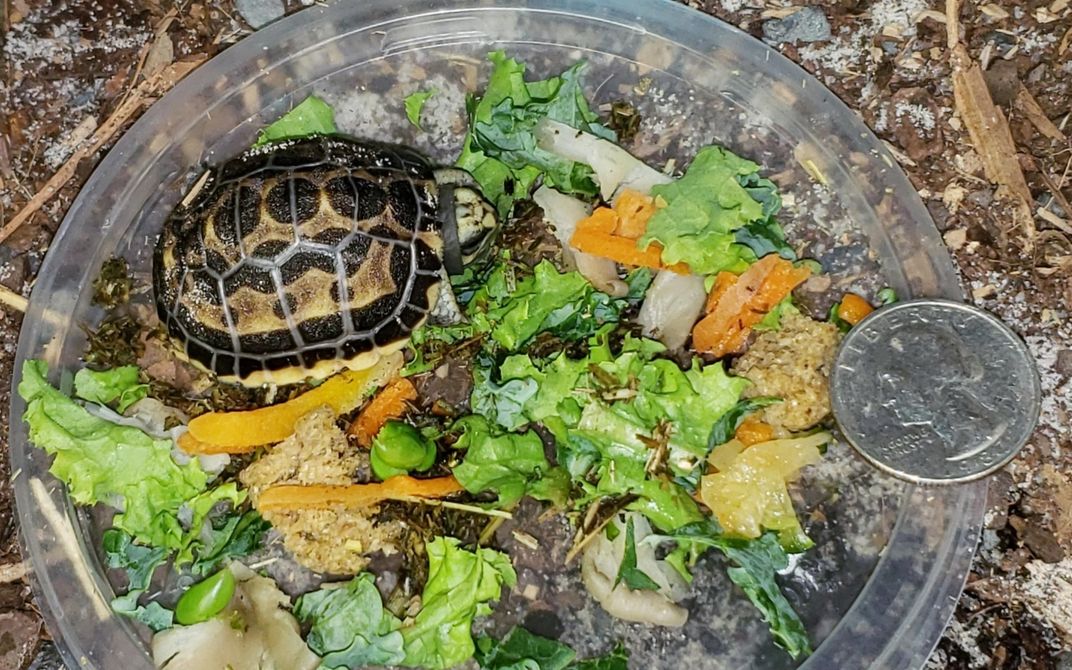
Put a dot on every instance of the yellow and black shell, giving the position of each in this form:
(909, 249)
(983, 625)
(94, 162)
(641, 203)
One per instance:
(301, 258)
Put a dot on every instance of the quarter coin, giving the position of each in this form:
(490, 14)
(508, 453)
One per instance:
(935, 391)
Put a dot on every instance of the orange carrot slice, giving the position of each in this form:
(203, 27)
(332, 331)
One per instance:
(595, 235)
(290, 497)
(238, 432)
(390, 403)
(762, 286)
(633, 209)
(723, 281)
(853, 309)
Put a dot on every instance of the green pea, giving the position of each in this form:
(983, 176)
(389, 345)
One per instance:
(400, 448)
(206, 599)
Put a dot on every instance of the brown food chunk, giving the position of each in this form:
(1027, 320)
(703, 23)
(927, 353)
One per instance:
(792, 363)
(335, 541)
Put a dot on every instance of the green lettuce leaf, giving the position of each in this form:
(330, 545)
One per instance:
(755, 565)
(522, 650)
(119, 385)
(772, 320)
(350, 628)
(100, 461)
(312, 116)
(138, 562)
(414, 103)
(460, 585)
(500, 149)
(704, 209)
(506, 463)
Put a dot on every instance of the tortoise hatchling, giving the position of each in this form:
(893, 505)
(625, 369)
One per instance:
(304, 257)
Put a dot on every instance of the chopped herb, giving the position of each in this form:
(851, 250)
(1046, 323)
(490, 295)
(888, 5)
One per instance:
(522, 650)
(628, 573)
(139, 562)
(886, 296)
(414, 103)
(312, 116)
(113, 284)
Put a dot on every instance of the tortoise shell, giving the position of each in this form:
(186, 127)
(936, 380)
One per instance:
(300, 258)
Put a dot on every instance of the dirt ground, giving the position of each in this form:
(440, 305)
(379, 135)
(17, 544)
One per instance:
(67, 66)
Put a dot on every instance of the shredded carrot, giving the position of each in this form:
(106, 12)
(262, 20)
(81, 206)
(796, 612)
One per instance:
(753, 431)
(289, 497)
(762, 286)
(853, 309)
(633, 209)
(595, 235)
(723, 281)
(390, 403)
(238, 432)
(194, 447)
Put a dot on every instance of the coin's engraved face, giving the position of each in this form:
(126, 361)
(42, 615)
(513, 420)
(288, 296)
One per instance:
(935, 391)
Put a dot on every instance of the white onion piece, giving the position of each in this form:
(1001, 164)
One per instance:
(563, 213)
(267, 639)
(670, 310)
(155, 414)
(615, 168)
(599, 569)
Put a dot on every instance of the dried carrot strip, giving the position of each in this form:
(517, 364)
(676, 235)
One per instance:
(290, 497)
(753, 431)
(390, 403)
(237, 432)
(633, 209)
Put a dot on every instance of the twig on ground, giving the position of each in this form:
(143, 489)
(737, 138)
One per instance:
(13, 300)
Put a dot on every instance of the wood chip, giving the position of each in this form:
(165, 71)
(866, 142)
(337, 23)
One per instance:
(1066, 41)
(1044, 16)
(990, 136)
(142, 95)
(1030, 108)
(1054, 220)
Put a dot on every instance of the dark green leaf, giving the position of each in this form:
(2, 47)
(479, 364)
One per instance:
(727, 424)
(616, 659)
(628, 573)
(522, 650)
(139, 562)
(500, 150)
(755, 565)
(350, 626)
(230, 536)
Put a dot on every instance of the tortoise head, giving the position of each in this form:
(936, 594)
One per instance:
(469, 222)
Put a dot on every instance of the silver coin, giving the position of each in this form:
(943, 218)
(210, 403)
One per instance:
(935, 391)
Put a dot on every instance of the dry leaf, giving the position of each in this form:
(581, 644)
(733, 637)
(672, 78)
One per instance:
(955, 239)
(994, 12)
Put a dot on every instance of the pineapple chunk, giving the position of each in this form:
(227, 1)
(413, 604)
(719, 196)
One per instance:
(748, 492)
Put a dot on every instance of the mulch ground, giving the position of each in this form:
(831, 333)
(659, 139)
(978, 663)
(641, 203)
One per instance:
(66, 67)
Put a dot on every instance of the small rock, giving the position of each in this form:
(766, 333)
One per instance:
(982, 198)
(807, 25)
(1003, 80)
(259, 13)
(19, 634)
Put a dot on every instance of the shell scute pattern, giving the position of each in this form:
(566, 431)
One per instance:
(306, 253)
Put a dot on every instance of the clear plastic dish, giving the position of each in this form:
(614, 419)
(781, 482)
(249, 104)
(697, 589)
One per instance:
(890, 559)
